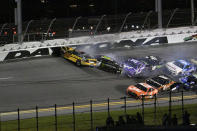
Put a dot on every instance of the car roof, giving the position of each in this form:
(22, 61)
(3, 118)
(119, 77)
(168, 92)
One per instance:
(145, 85)
(163, 76)
(184, 62)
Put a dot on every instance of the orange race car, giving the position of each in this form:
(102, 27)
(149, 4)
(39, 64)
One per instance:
(160, 82)
(141, 89)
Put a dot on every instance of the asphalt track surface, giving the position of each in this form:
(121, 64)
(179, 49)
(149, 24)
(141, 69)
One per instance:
(53, 80)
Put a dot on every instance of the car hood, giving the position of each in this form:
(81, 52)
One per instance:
(135, 90)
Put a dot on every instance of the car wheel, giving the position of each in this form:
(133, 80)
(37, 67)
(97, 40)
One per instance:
(78, 63)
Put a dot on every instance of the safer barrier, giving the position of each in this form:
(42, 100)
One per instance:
(109, 41)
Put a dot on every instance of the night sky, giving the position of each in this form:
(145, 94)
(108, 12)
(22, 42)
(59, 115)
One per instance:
(35, 9)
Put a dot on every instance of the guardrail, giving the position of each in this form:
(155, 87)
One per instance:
(89, 115)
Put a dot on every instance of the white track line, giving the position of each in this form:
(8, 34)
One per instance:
(5, 78)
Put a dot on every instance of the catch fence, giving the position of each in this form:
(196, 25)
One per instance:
(92, 115)
(45, 29)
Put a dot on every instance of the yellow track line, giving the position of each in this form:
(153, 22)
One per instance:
(96, 105)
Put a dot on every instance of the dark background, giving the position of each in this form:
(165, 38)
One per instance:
(35, 9)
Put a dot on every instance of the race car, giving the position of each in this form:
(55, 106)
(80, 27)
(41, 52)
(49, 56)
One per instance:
(189, 82)
(133, 67)
(180, 68)
(141, 89)
(160, 82)
(108, 64)
(152, 62)
(78, 57)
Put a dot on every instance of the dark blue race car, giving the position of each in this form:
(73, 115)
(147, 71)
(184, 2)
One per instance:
(190, 82)
(187, 83)
(133, 67)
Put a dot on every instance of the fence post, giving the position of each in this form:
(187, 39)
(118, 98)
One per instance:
(0, 121)
(55, 117)
(108, 107)
(125, 105)
(182, 99)
(91, 116)
(18, 119)
(143, 108)
(170, 107)
(73, 116)
(155, 108)
(37, 126)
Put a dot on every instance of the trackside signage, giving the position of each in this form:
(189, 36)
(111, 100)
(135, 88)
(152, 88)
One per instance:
(123, 43)
(55, 50)
(30, 53)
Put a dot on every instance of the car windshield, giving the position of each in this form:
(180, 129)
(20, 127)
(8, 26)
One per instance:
(139, 86)
(110, 62)
(152, 83)
(83, 54)
(161, 80)
(179, 64)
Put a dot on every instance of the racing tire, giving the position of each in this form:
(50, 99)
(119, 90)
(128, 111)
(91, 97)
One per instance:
(78, 63)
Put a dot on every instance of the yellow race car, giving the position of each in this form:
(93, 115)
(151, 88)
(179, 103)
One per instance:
(78, 57)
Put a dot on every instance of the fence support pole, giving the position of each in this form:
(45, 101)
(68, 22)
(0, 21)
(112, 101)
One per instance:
(99, 24)
(76, 20)
(0, 121)
(108, 107)
(18, 119)
(155, 108)
(51, 23)
(182, 99)
(143, 108)
(37, 126)
(26, 30)
(125, 19)
(146, 18)
(91, 116)
(172, 15)
(3, 26)
(125, 105)
(170, 107)
(55, 117)
(73, 116)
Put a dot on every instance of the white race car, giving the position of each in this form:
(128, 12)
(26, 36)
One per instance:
(180, 67)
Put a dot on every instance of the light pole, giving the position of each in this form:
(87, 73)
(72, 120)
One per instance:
(125, 19)
(19, 20)
(192, 12)
(159, 9)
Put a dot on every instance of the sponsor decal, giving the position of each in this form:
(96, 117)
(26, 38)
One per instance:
(32, 53)
(55, 51)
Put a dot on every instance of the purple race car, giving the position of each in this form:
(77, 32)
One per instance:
(133, 67)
